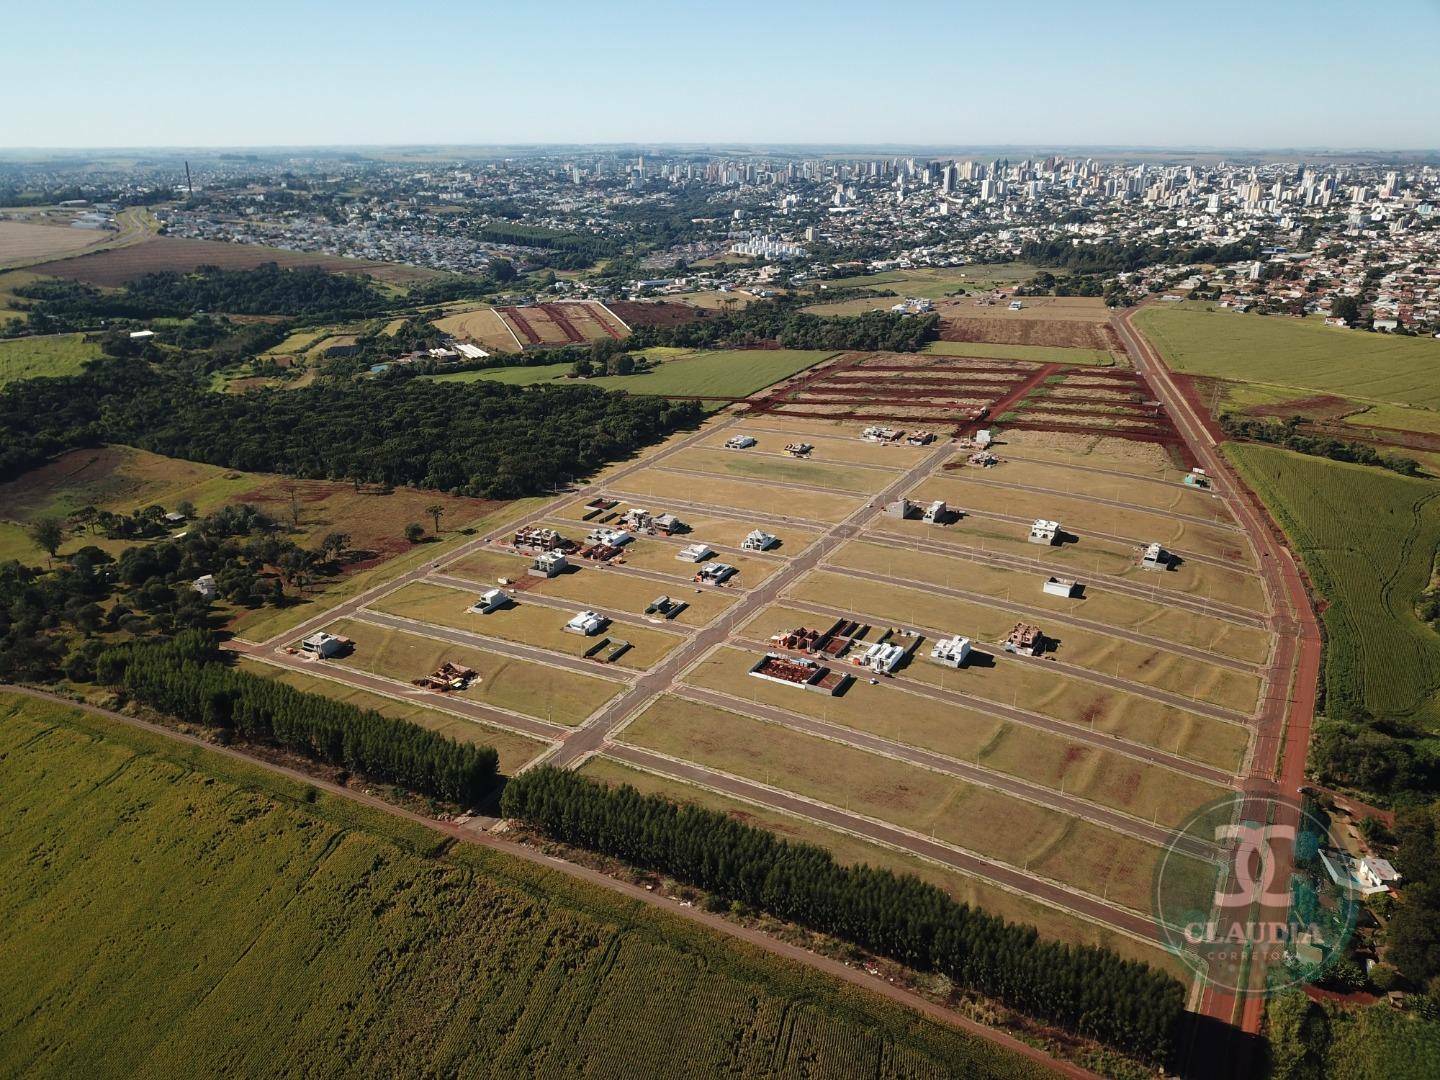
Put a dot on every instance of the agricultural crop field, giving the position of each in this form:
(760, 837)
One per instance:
(1379, 658)
(560, 323)
(199, 912)
(117, 266)
(53, 354)
(1304, 354)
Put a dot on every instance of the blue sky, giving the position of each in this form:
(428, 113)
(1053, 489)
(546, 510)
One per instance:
(1087, 72)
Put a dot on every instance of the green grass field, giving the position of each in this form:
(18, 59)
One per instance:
(1367, 538)
(54, 354)
(708, 373)
(936, 282)
(198, 916)
(1292, 352)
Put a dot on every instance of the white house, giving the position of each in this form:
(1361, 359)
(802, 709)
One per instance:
(881, 657)
(758, 540)
(1059, 586)
(205, 586)
(950, 651)
(694, 553)
(900, 508)
(716, 573)
(586, 623)
(610, 537)
(549, 564)
(1044, 531)
(490, 600)
(324, 645)
(1155, 557)
(739, 442)
(937, 513)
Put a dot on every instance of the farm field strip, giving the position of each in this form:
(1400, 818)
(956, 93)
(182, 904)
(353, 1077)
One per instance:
(1223, 694)
(272, 884)
(1084, 856)
(990, 582)
(1099, 470)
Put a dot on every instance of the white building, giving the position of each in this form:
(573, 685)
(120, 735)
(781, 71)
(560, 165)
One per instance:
(900, 508)
(205, 586)
(694, 553)
(611, 537)
(950, 651)
(490, 600)
(1044, 531)
(881, 657)
(586, 623)
(1155, 557)
(739, 442)
(937, 513)
(758, 540)
(324, 645)
(1059, 586)
(549, 564)
(716, 573)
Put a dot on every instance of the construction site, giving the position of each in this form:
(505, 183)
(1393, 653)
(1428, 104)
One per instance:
(942, 637)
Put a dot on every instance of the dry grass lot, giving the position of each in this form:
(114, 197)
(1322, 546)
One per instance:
(23, 242)
(1109, 656)
(522, 686)
(813, 506)
(1125, 716)
(1094, 451)
(748, 465)
(711, 530)
(890, 711)
(483, 326)
(594, 587)
(528, 624)
(978, 819)
(833, 444)
(1205, 580)
(1041, 308)
(848, 850)
(514, 750)
(1171, 497)
(1078, 516)
(1113, 608)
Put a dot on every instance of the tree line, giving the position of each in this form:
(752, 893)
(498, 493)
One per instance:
(1087, 990)
(1111, 258)
(1287, 433)
(782, 322)
(185, 678)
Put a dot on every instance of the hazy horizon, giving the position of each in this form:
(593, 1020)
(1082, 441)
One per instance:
(1230, 77)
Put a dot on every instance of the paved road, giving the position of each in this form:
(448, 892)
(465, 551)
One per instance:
(1286, 717)
(1208, 656)
(1039, 794)
(594, 733)
(472, 832)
